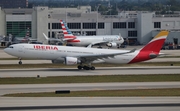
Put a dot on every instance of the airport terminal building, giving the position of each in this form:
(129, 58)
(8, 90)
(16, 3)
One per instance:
(136, 27)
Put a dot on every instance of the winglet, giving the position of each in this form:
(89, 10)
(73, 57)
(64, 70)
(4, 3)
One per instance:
(45, 36)
(89, 46)
(133, 50)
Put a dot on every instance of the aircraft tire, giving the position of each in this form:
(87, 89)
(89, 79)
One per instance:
(92, 68)
(20, 62)
(79, 67)
(86, 67)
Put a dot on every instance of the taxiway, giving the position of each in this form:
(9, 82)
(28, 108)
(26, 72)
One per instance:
(44, 72)
(88, 103)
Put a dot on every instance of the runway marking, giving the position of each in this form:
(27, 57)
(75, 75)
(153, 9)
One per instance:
(90, 106)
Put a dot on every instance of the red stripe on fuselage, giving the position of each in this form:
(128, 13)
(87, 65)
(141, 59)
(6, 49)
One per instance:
(70, 37)
(142, 56)
(75, 40)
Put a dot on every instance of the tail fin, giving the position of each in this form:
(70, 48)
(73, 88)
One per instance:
(45, 36)
(27, 34)
(67, 33)
(156, 43)
(152, 49)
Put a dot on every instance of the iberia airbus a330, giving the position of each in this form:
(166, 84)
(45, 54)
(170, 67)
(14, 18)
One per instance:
(86, 56)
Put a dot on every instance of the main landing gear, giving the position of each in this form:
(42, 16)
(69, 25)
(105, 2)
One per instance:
(20, 62)
(86, 67)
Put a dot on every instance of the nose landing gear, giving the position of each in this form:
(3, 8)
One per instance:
(20, 62)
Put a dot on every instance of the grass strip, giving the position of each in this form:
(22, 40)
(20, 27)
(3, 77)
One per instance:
(10, 66)
(105, 93)
(92, 79)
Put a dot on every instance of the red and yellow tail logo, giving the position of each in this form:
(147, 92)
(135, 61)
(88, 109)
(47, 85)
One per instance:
(152, 49)
(156, 43)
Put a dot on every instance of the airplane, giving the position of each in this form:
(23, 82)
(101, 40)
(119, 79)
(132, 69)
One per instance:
(25, 39)
(84, 57)
(88, 41)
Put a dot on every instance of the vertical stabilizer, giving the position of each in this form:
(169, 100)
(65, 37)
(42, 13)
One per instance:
(152, 49)
(156, 43)
(67, 33)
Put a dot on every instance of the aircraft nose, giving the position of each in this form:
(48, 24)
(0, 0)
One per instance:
(6, 50)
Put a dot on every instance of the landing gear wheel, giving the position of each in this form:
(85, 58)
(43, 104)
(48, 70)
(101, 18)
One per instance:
(86, 67)
(79, 67)
(20, 62)
(92, 68)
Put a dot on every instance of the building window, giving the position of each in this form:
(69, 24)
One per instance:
(132, 33)
(76, 33)
(48, 25)
(157, 24)
(101, 25)
(19, 29)
(90, 33)
(56, 26)
(53, 34)
(131, 24)
(74, 25)
(89, 25)
(48, 34)
(13, 3)
(119, 25)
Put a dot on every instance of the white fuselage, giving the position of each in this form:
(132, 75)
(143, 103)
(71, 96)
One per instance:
(50, 52)
(86, 40)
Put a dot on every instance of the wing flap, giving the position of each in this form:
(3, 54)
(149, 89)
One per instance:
(54, 39)
(102, 56)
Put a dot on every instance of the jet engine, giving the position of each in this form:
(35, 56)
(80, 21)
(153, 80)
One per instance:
(57, 61)
(111, 44)
(71, 61)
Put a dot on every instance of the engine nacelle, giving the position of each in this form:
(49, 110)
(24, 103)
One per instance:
(111, 44)
(57, 61)
(71, 61)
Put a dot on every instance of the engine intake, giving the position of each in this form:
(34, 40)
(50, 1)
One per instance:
(111, 44)
(71, 61)
(57, 61)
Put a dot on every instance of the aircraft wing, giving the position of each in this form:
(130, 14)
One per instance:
(98, 42)
(54, 39)
(66, 39)
(19, 38)
(31, 39)
(90, 58)
(24, 39)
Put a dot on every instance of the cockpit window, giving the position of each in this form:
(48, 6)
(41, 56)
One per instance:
(10, 46)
